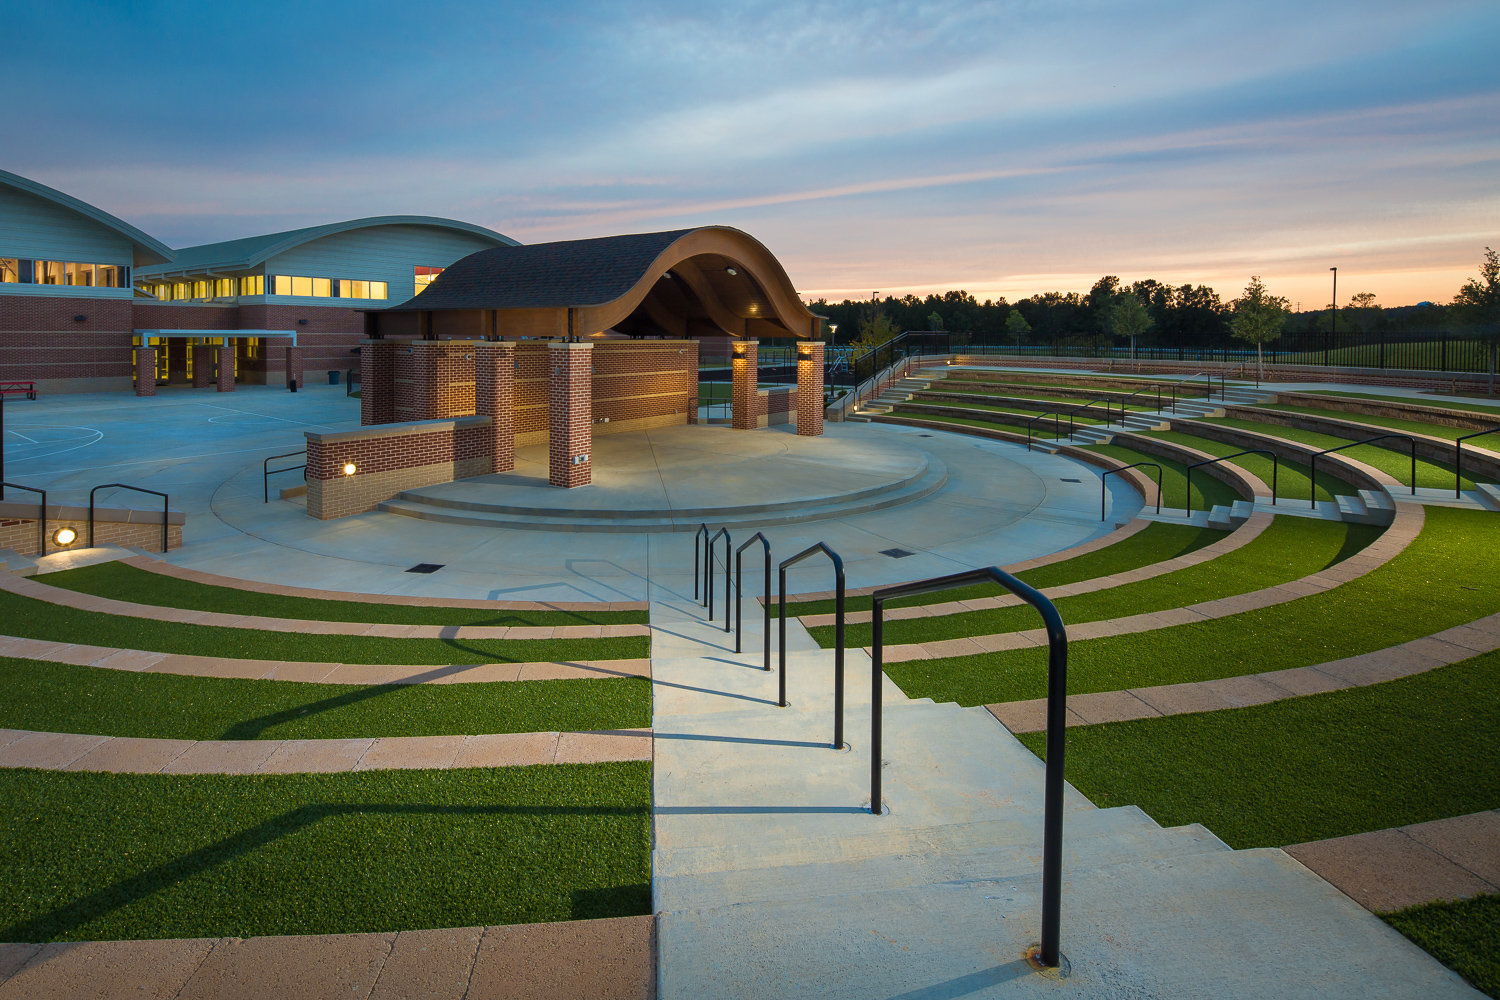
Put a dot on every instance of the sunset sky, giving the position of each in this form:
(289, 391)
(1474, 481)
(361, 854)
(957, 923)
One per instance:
(1005, 148)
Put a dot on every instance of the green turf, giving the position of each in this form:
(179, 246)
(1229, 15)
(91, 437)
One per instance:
(1207, 491)
(1154, 543)
(59, 697)
(1308, 768)
(1445, 577)
(1087, 419)
(1289, 549)
(128, 583)
(1292, 479)
(1392, 423)
(1446, 402)
(959, 387)
(1463, 935)
(34, 619)
(96, 856)
(1396, 464)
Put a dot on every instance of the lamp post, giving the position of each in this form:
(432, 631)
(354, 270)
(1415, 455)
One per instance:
(1333, 326)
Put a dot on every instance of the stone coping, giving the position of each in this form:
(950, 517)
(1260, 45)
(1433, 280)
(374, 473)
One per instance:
(1414, 409)
(31, 587)
(1351, 470)
(1253, 526)
(155, 565)
(395, 429)
(1437, 650)
(1436, 861)
(147, 661)
(1405, 528)
(609, 959)
(111, 515)
(135, 755)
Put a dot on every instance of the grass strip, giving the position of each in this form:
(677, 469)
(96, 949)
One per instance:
(1207, 491)
(1309, 768)
(1393, 423)
(1446, 402)
(158, 856)
(34, 619)
(1292, 480)
(1081, 420)
(63, 698)
(1156, 542)
(1396, 464)
(1445, 577)
(1462, 935)
(123, 582)
(1291, 548)
(958, 387)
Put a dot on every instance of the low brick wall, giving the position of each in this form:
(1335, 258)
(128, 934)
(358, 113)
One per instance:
(389, 458)
(21, 529)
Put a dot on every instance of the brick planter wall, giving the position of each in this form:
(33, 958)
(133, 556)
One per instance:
(20, 528)
(390, 458)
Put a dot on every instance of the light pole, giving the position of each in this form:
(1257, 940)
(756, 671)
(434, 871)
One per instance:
(1333, 326)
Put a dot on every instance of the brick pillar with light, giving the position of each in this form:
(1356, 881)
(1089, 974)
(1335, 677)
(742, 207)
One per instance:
(226, 366)
(495, 397)
(294, 366)
(810, 388)
(203, 366)
(744, 391)
(570, 439)
(145, 371)
(377, 385)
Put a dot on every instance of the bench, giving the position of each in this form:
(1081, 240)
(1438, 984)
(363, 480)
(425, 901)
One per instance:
(9, 388)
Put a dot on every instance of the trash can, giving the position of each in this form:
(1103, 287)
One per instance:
(333, 377)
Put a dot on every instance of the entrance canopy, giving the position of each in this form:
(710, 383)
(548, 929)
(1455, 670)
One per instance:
(226, 334)
(712, 281)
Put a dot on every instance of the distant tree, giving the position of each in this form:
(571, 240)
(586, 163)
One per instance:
(1016, 327)
(1478, 302)
(1258, 318)
(875, 324)
(934, 321)
(1363, 314)
(1126, 316)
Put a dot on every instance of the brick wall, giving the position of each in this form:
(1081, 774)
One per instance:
(390, 458)
(41, 341)
(203, 366)
(145, 371)
(494, 397)
(20, 529)
(433, 380)
(744, 399)
(292, 364)
(810, 389)
(571, 415)
(377, 381)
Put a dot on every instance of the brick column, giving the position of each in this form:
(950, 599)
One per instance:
(810, 388)
(145, 371)
(571, 414)
(377, 385)
(495, 397)
(226, 366)
(746, 366)
(294, 366)
(203, 366)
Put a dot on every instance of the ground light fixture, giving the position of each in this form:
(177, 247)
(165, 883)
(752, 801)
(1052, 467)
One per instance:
(350, 468)
(64, 537)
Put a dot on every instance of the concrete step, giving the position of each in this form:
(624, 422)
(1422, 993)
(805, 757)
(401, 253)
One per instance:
(1366, 508)
(1488, 495)
(12, 561)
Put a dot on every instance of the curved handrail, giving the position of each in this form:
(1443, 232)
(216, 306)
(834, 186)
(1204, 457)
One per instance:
(838, 648)
(1275, 472)
(1312, 499)
(702, 533)
(41, 545)
(165, 500)
(708, 563)
(739, 587)
(1057, 721)
(1132, 465)
(1458, 460)
(267, 472)
(1057, 424)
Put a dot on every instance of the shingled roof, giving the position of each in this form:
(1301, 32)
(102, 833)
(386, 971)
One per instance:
(567, 274)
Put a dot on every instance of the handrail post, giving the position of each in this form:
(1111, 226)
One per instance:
(708, 560)
(739, 588)
(838, 651)
(702, 533)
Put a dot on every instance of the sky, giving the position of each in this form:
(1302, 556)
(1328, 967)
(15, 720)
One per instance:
(1005, 148)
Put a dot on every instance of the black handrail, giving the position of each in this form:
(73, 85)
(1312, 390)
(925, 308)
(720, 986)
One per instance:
(1122, 468)
(1275, 472)
(1057, 423)
(1458, 459)
(41, 548)
(739, 586)
(1312, 499)
(702, 533)
(267, 472)
(708, 563)
(838, 632)
(1057, 711)
(165, 500)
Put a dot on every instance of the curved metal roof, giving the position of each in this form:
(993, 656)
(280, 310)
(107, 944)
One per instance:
(252, 250)
(147, 250)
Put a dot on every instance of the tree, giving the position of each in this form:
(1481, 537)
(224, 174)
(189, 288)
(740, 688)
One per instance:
(1126, 316)
(1363, 313)
(1258, 317)
(1478, 302)
(1017, 327)
(934, 320)
(875, 324)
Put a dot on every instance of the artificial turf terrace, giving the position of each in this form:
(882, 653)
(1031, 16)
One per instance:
(1319, 545)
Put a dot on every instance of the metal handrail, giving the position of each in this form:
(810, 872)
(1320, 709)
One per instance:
(165, 501)
(1057, 711)
(1184, 381)
(1458, 460)
(1312, 499)
(1057, 424)
(1275, 472)
(739, 586)
(267, 472)
(41, 548)
(708, 563)
(702, 533)
(1132, 465)
(838, 631)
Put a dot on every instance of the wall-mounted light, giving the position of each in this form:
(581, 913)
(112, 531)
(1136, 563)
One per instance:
(80, 318)
(64, 537)
(580, 459)
(302, 322)
(350, 469)
(730, 271)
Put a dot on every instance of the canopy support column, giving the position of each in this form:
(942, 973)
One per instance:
(571, 427)
(745, 391)
(810, 388)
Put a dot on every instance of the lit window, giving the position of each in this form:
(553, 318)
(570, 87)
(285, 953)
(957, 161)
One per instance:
(424, 276)
(49, 272)
(322, 288)
(79, 274)
(109, 276)
(377, 289)
(10, 270)
(253, 284)
(281, 285)
(301, 285)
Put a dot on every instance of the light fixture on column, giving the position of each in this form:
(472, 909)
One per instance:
(730, 271)
(350, 468)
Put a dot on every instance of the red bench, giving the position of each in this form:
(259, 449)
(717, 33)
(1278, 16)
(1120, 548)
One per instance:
(10, 388)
